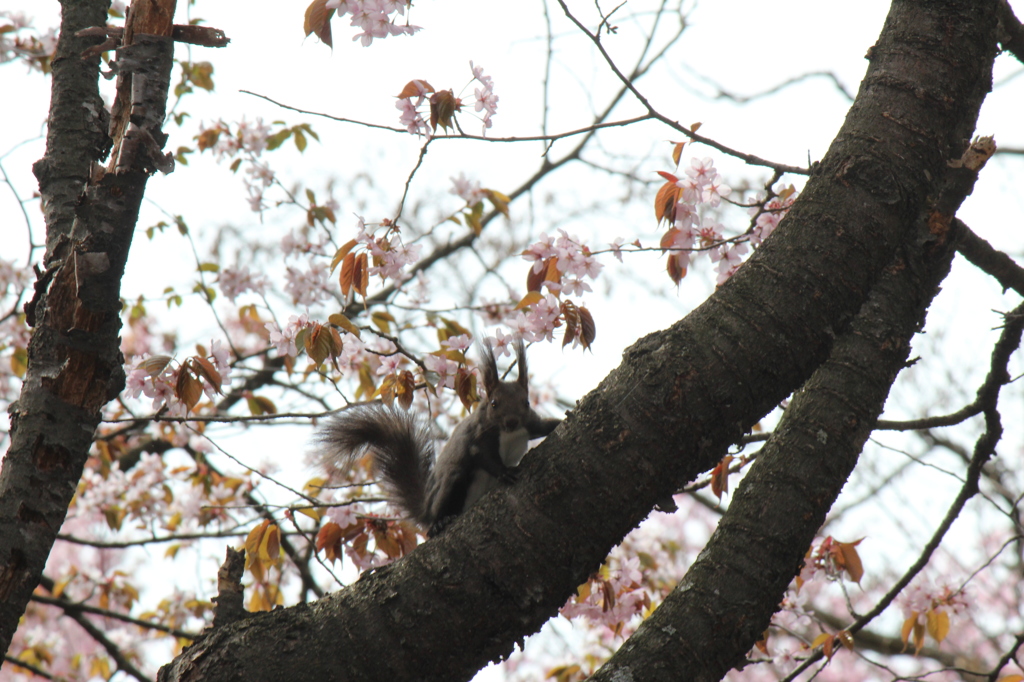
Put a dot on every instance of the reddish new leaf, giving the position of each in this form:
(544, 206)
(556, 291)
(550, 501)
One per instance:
(720, 477)
(666, 199)
(443, 106)
(588, 330)
(318, 21)
(415, 88)
(675, 271)
(348, 270)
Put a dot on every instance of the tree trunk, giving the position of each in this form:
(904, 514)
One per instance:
(74, 358)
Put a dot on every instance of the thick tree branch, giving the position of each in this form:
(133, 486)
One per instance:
(669, 411)
(739, 579)
(984, 449)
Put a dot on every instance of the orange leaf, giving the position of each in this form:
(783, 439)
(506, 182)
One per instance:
(318, 20)
(205, 369)
(465, 387)
(762, 644)
(677, 151)
(572, 318)
(665, 202)
(675, 271)
(668, 239)
(328, 540)
(908, 627)
(348, 269)
(528, 300)
(938, 625)
(342, 252)
(720, 477)
(851, 560)
(341, 321)
(415, 88)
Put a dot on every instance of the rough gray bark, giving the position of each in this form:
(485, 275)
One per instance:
(669, 411)
(74, 358)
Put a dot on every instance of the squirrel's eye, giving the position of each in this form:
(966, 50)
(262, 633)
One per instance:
(494, 404)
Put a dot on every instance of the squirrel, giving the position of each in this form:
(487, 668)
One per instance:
(484, 448)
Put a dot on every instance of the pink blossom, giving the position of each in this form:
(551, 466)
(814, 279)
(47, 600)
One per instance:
(459, 342)
(389, 364)
(501, 343)
(715, 190)
(307, 287)
(284, 339)
(540, 251)
(616, 247)
(468, 190)
(221, 355)
(344, 516)
(701, 170)
(444, 368)
(236, 281)
(486, 100)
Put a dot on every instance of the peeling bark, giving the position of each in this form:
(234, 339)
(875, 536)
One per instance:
(74, 358)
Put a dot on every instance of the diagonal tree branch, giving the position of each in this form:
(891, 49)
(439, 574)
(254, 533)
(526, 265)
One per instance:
(671, 409)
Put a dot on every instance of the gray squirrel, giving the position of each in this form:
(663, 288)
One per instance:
(484, 448)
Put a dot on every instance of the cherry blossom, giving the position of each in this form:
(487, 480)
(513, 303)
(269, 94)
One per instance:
(236, 281)
(468, 190)
(284, 339)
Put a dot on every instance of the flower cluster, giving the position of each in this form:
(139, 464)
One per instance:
(611, 597)
(701, 185)
(681, 200)
(467, 190)
(284, 339)
(249, 140)
(538, 322)
(236, 281)
(308, 286)
(768, 215)
(486, 100)
(570, 257)
(374, 17)
(159, 386)
(922, 598)
(443, 104)
(410, 105)
(390, 255)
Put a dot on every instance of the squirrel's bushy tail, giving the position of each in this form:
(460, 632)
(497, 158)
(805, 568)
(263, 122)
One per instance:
(401, 448)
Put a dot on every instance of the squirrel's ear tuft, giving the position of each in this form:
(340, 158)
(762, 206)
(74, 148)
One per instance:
(523, 376)
(489, 368)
